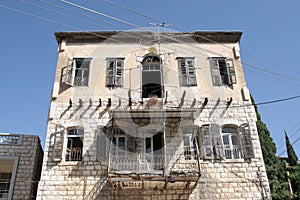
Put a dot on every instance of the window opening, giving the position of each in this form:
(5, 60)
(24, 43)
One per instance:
(5, 179)
(223, 72)
(78, 73)
(74, 145)
(151, 77)
(186, 70)
(114, 72)
(231, 142)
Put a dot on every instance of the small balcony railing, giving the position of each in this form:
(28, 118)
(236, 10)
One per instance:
(74, 154)
(232, 152)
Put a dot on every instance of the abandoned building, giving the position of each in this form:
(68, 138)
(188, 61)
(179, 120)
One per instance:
(21, 159)
(151, 115)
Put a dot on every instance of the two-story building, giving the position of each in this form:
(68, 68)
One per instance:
(146, 115)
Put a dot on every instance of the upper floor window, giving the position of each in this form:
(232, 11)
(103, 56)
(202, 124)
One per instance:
(187, 73)
(152, 77)
(74, 144)
(78, 72)
(114, 72)
(222, 71)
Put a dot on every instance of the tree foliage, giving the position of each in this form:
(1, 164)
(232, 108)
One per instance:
(292, 157)
(275, 168)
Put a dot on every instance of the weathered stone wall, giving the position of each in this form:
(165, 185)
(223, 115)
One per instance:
(30, 155)
(80, 107)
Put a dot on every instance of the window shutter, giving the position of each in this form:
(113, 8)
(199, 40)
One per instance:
(207, 146)
(70, 74)
(195, 139)
(217, 141)
(110, 72)
(85, 71)
(182, 72)
(58, 141)
(119, 68)
(215, 73)
(102, 144)
(246, 141)
(191, 72)
(231, 71)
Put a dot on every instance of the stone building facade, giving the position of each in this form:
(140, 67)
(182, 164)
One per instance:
(146, 115)
(21, 158)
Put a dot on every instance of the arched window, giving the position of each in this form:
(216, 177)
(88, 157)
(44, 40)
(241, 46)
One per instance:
(231, 142)
(151, 77)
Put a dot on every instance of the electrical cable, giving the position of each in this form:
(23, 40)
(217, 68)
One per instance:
(205, 38)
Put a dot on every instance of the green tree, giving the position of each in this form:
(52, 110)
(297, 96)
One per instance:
(295, 180)
(275, 168)
(292, 157)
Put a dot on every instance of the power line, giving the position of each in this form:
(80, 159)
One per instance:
(82, 14)
(205, 38)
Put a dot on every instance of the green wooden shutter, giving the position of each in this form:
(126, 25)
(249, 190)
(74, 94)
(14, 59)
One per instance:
(102, 144)
(246, 141)
(217, 141)
(215, 72)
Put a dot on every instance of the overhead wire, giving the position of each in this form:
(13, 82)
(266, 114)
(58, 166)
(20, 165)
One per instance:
(68, 25)
(205, 38)
(82, 14)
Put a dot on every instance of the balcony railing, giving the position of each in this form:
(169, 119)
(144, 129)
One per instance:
(74, 154)
(232, 152)
(137, 162)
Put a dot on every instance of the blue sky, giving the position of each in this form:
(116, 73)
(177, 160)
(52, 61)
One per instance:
(269, 45)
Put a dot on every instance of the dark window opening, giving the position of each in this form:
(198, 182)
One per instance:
(223, 72)
(151, 77)
(74, 145)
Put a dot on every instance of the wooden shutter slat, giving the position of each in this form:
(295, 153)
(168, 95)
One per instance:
(246, 141)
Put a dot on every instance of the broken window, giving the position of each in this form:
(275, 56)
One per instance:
(114, 72)
(187, 72)
(222, 71)
(151, 77)
(74, 144)
(78, 73)
(231, 142)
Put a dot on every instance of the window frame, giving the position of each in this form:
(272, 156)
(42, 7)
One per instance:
(73, 69)
(232, 150)
(70, 149)
(222, 74)
(14, 173)
(189, 77)
(115, 73)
